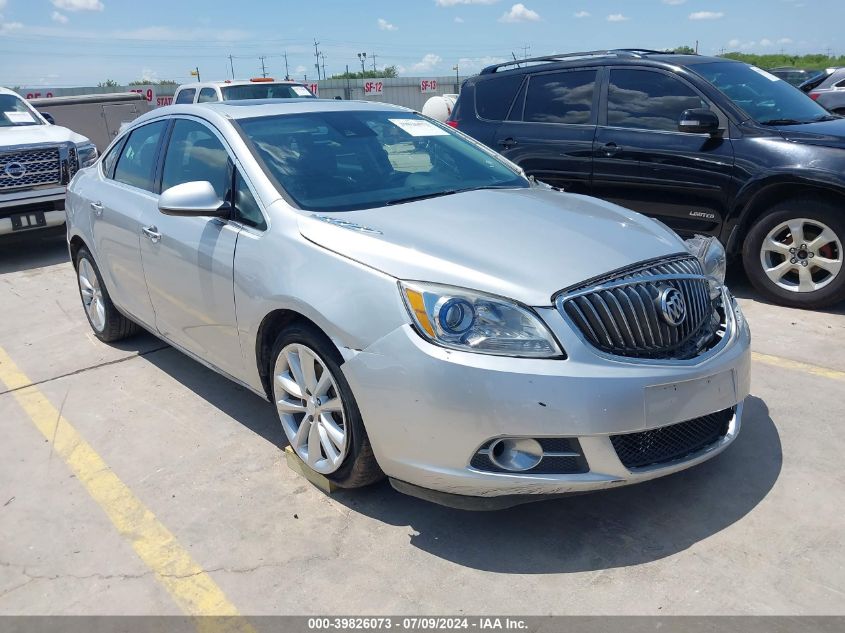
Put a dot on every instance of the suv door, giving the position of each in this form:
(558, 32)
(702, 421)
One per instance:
(188, 261)
(124, 201)
(644, 163)
(551, 127)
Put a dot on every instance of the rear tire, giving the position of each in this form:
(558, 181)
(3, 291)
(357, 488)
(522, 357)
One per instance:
(787, 274)
(108, 324)
(318, 413)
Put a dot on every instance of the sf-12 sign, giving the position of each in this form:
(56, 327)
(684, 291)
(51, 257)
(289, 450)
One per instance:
(374, 87)
(428, 85)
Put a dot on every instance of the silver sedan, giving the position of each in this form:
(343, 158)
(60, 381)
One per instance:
(410, 303)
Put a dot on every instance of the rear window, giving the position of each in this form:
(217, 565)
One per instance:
(265, 91)
(493, 97)
(186, 95)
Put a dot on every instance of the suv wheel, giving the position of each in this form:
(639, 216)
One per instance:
(108, 324)
(318, 412)
(794, 253)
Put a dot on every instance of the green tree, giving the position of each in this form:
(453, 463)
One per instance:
(386, 72)
(809, 62)
(108, 83)
(682, 50)
(160, 82)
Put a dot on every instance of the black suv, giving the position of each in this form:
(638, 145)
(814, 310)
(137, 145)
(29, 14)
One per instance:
(705, 144)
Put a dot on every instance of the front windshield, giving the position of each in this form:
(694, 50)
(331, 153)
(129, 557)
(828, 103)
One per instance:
(265, 91)
(763, 97)
(15, 111)
(341, 161)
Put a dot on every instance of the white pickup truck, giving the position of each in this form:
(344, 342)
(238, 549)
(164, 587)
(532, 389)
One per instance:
(37, 161)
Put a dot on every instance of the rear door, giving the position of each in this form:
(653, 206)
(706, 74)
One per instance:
(644, 163)
(551, 127)
(485, 103)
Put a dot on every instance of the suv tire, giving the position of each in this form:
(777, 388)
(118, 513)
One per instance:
(769, 245)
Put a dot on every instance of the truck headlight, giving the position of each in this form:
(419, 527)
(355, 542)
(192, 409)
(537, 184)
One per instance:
(86, 154)
(714, 261)
(477, 322)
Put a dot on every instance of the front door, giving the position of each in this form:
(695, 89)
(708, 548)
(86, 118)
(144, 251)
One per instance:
(551, 128)
(188, 261)
(644, 163)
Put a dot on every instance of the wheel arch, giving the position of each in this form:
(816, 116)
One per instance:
(75, 244)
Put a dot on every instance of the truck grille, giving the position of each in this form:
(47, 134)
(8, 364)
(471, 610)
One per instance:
(36, 167)
(621, 314)
(670, 443)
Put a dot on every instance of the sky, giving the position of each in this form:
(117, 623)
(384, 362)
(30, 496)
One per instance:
(62, 43)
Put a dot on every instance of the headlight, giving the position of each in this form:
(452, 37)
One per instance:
(87, 154)
(476, 322)
(714, 261)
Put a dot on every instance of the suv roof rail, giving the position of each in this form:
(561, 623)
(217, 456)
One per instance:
(619, 52)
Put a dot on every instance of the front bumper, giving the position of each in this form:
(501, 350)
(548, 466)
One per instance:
(50, 201)
(428, 410)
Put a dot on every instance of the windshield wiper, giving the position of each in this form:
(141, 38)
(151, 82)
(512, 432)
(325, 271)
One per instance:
(782, 122)
(448, 192)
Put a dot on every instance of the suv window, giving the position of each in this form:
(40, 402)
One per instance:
(247, 210)
(195, 153)
(493, 97)
(565, 97)
(138, 159)
(185, 96)
(207, 95)
(648, 100)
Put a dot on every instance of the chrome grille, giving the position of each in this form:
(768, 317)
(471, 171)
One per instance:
(42, 167)
(619, 313)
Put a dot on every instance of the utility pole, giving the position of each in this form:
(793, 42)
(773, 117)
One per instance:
(263, 68)
(232, 66)
(348, 89)
(287, 71)
(317, 57)
(696, 47)
(323, 57)
(457, 78)
(374, 63)
(525, 50)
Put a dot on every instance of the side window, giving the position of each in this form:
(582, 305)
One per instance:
(185, 96)
(195, 153)
(246, 207)
(648, 100)
(137, 161)
(493, 97)
(110, 159)
(560, 97)
(207, 95)
(841, 84)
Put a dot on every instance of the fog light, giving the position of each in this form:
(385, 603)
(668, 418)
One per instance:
(516, 453)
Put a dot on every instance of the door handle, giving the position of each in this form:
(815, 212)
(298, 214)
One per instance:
(509, 142)
(97, 207)
(610, 149)
(152, 233)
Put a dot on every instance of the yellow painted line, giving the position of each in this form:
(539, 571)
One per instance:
(786, 363)
(191, 587)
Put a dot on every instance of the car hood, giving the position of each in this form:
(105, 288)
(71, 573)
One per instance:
(38, 135)
(824, 133)
(525, 244)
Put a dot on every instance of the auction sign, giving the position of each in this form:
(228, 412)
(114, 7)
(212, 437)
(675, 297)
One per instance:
(428, 85)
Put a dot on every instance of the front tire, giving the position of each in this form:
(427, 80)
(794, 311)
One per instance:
(108, 324)
(317, 410)
(793, 254)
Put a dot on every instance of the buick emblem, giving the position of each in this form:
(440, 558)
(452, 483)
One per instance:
(15, 170)
(673, 308)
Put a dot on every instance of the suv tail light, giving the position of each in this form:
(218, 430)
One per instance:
(452, 123)
(814, 95)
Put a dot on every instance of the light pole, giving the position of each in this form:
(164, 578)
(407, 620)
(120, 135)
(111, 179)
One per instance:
(362, 57)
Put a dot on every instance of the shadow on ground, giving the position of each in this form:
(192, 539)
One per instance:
(33, 250)
(614, 528)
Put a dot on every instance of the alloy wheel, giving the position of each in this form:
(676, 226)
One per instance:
(310, 408)
(801, 255)
(92, 295)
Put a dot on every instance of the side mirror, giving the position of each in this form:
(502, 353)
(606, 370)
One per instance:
(193, 199)
(49, 117)
(699, 121)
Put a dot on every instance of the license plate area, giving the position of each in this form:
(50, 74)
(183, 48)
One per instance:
(681, 401)
(28, 220)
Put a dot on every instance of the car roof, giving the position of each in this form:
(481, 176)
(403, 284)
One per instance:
(613, 56)
(6, 91)
(251, 108)
(237, 82)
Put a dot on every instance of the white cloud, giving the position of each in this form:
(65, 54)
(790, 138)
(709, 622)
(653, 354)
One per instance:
(459, 20)
(179, 34)
(474, 64)
(79, 5)
(766, 42)
(149, 75)
(427, 63)
(706, 15)
(61, 18)
(8, 27)
(617, 17)
(582, 14)
(674, 2)
(785, 40)
(520, 13)
(299, 70)
(2, 4)
(734, 43)
(452, 3)
(384, 25)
